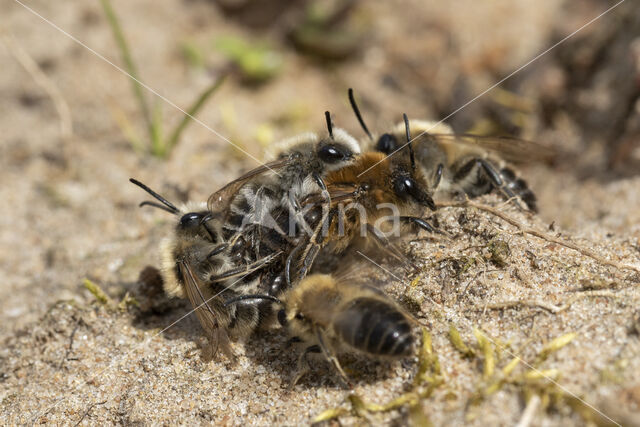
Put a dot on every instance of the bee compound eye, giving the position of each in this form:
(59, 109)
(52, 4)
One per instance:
(408, 187)
(191, 220)
(282, 317)
(333, 153)
(401, 186)
(386, 143)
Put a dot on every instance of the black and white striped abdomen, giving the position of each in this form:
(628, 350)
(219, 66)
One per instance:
(374, 326)
(519, 187)
(477, 176)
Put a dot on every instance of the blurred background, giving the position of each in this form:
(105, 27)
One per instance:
(75, 128)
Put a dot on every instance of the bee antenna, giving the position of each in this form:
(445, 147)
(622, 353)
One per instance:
(408, 132)
(166, 205)
(157, 205)
(356, 110)
(327, 116)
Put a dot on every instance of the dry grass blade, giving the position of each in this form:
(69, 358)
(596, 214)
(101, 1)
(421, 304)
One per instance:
(526, 229)
(548, 306)
(42, 80)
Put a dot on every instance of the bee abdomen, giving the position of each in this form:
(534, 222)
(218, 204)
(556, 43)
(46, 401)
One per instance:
(519, 187)
(375, 327)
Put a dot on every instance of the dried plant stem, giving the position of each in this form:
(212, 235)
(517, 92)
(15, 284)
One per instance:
(540, 234)
(529, 411)
(93, 405)
(548, 306)
(41, 79)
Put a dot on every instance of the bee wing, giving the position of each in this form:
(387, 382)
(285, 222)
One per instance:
(338, 193)
(220, 200)
(193, 287)
(207, 315)
(510, 149)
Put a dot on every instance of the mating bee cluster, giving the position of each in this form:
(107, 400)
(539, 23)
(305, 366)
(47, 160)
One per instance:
(246, 258)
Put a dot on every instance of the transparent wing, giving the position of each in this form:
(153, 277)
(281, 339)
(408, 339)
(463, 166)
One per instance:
(220, 200)
(208, 311)
(510, 149)
(203, 308)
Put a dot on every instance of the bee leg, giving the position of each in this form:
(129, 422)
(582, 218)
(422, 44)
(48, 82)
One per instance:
(308, 261)
(388, 247)
(315, 244)
(438, 176)
(217, 250)
(333, 359)
(290, 260)
(293, 340)
(303, 364)
(421, 223)
(244, 270)
(496, 180)
(325, 193)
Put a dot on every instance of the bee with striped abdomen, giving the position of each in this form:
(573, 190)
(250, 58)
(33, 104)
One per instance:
(331, 316)
(464, 164)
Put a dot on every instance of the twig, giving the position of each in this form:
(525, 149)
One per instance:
(540, 234)
(41, 79)
(548, 306)
(70, 347)
(529, 303)
(93, 405)
(529, 411)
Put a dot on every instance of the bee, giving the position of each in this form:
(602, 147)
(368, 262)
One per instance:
(227, 246)
(301, 164)
(332, 316)
(262, 208)
(464, 164)
(357, 194)
(200, 264)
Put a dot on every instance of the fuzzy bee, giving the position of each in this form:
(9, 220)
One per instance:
(226, 246)
(332, 316)
(358, 193)
(464, 164)
(302, 162)
(262, 208)
(200, 264)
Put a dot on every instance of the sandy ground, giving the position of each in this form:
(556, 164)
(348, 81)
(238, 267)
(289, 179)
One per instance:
(73, 215)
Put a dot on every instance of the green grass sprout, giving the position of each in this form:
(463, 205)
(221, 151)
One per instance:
(157, 144)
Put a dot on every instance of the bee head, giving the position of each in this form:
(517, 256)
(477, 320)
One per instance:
(407, 187)
(193, 224)
(387, 143)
